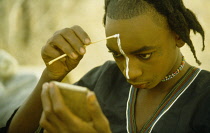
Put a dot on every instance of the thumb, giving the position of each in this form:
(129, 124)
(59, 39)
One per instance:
(100, 122)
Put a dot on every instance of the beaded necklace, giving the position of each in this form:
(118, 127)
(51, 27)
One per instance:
(168, 77)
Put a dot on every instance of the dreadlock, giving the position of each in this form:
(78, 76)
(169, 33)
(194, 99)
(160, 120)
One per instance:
(180, 19)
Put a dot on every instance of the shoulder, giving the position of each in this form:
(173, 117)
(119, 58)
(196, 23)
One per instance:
(201, 121)
(201, 83)
(106, 67)
(108, 71)
(204, 77)
(200, 87)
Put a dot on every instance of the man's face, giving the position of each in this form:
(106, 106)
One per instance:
(150, 47)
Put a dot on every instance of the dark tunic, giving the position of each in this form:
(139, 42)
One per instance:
(187, 109)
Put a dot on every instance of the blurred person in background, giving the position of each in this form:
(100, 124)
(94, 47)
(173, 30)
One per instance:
(15, 85)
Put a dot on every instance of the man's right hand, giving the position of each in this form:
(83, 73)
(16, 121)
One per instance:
(70, 41)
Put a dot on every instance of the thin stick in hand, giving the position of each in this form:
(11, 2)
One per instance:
(64, 55)
(114, 36)
(58, 58)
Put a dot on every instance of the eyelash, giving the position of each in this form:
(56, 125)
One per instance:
(142, 56)
(117, 55)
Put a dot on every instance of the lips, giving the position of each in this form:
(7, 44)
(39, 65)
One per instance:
(141, 86)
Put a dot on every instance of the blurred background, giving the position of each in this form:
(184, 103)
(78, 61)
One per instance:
(26, 25)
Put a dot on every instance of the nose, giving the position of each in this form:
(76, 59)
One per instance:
(134, 71)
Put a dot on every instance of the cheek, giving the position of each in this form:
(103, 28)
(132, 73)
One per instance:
(120, 63)
(155, 77)
(159, 66)
(166, 64)
(155, 80)
(124, 66)
(156, 72)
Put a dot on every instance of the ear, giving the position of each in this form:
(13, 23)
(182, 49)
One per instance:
(179, 42)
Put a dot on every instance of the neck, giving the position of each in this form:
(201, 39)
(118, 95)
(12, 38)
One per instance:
(168, 85)
(165, 87)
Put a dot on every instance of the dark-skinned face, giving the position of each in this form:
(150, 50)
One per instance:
(150, 47)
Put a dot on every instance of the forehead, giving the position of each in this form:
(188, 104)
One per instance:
(141, 30)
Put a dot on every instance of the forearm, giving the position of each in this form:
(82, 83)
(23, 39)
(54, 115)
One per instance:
(26, 120)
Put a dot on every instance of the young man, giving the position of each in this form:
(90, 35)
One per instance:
(149, 88)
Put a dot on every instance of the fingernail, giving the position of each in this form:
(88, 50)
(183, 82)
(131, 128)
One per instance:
(91, 97)
(82, 50)
(45, 86)
(74, 56)
(51, 85)
(87, 41)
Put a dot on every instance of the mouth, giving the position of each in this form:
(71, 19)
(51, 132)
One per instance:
(141, 86)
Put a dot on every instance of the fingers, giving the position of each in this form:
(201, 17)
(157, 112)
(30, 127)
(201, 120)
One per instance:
(48, 119)
(57, 117)
(50, 51)
(59, 106)
(45, 131)
(82, 34)
(93, 107)
(75, 40)
(46, 103)
(69, 121)
(46, 124)
(63, 45)
(70, 41)
(100, 122)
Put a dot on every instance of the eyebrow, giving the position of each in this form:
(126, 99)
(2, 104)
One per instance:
(142, 49)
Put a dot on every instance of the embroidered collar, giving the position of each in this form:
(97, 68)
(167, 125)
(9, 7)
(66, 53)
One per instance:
(165, 105)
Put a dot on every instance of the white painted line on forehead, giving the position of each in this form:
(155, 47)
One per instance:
(123, 53)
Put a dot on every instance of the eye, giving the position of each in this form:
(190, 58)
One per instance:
(115, 54)
(145, 56)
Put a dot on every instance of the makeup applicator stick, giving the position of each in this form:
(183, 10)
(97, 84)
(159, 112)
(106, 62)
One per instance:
(64, 55)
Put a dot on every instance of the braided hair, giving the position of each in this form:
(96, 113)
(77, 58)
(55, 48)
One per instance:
(180, 19)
